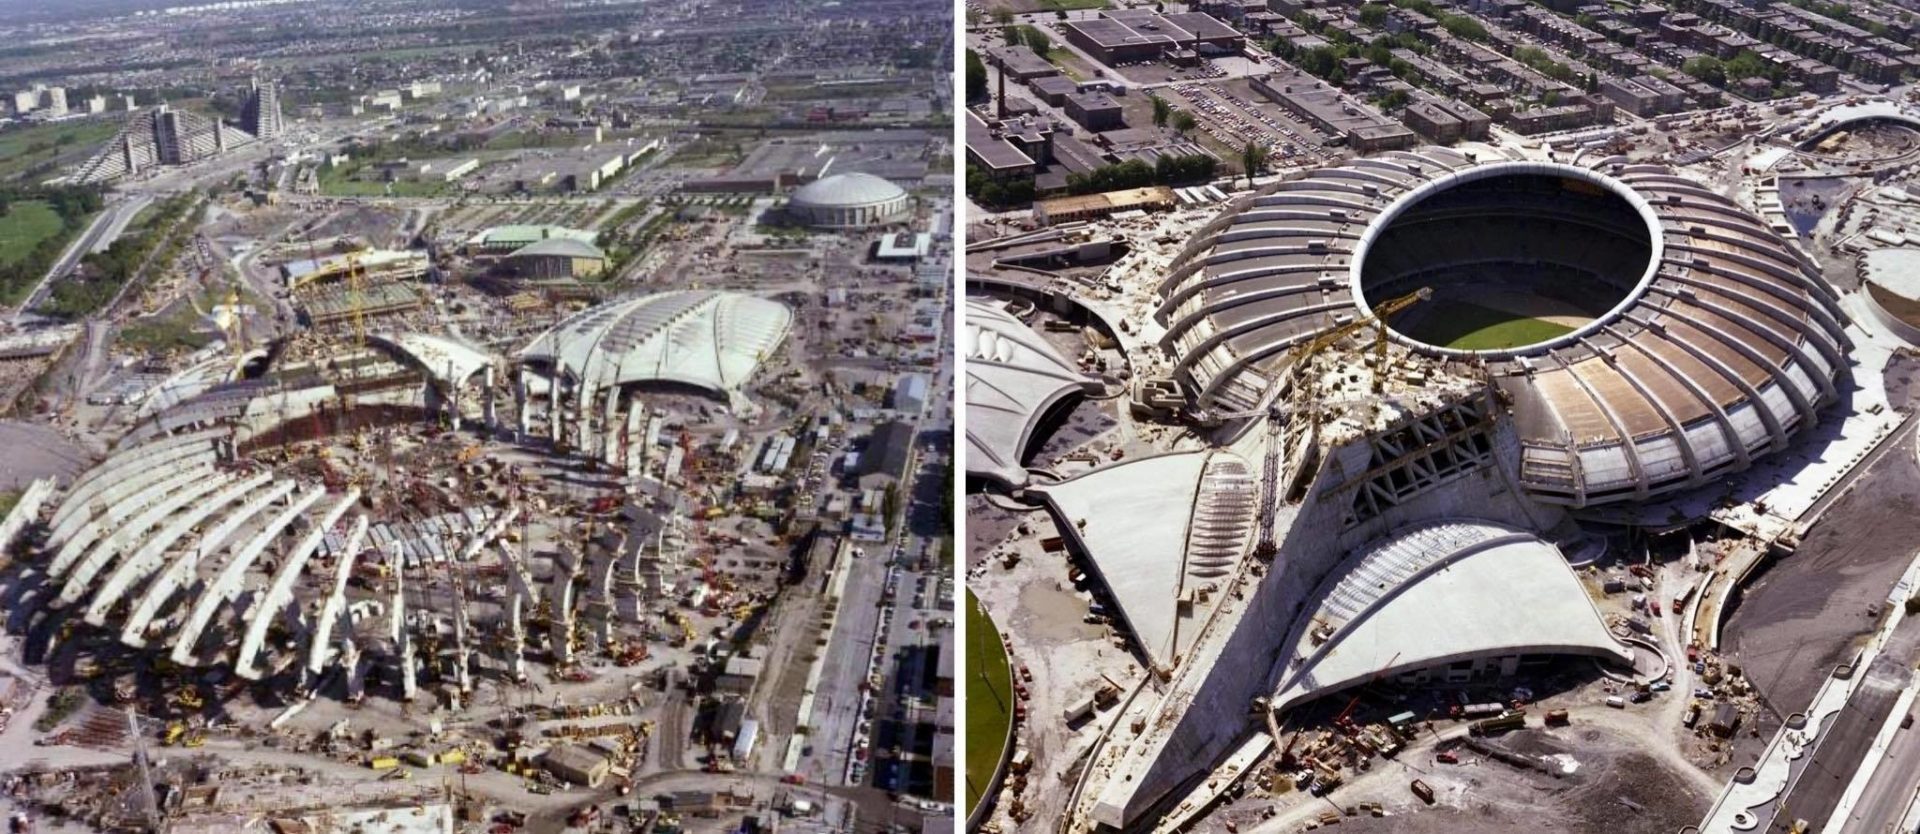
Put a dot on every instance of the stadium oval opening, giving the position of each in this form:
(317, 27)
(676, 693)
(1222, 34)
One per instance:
(1520, 258)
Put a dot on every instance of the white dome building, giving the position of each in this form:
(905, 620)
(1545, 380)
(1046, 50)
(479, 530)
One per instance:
(849, 201)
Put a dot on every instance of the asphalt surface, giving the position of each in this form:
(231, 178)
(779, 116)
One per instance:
(1820, 780)
(1801, 615)
(1886, 796)
(37, 451)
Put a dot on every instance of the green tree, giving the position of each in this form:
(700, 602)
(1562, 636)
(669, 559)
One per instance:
(1253, 157)
(976, 77)
(1373, 15)
(1038, 41)
(1161, 110)
(1461, 26)
(1706, 68)
(1183, 122)
(1011, 35)
(1747, 64)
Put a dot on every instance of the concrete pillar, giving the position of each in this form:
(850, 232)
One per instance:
(486, 401)
(583, 437)
(517, 636)
(356, 668)
(520, 405)
(611, 429)
(554, 410)
(566, 565)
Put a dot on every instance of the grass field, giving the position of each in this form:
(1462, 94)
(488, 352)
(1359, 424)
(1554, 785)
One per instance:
(989, 699)
(1465, 326)
(26, 148)
(25, 226)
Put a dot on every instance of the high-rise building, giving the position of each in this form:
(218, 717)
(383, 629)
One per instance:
(261, 115)
(57, 101)
(97, 104)
(26, 101)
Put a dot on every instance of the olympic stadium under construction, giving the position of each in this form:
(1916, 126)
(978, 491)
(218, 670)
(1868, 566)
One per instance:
(1398, 404)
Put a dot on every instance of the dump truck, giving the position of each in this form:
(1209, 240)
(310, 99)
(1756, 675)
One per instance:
(382, 763)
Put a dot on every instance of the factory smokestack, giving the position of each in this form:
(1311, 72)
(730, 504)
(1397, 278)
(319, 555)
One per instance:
(1002, 104)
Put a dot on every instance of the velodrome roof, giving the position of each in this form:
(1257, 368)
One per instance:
(850, 189)
(1013, 378)
(442, 358)
(1725, 350)
(708, 339)
(1437, 594)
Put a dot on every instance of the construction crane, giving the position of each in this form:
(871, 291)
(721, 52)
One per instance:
(356, 299)
(1306, 395)
(1377, 319)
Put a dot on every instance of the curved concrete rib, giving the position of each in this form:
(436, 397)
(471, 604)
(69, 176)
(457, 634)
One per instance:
(179, 574)
(226, 584)
(152, 455)
(280, 591)
(523, 593)
(336, 601)
(126, 499)
(152, 555)
(492, 531)
(81, 580)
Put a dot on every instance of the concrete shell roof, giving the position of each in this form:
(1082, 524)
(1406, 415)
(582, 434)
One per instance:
(1013, 377)
(444, 359)
(528, 233)
(562, 246)
(709, 339)
(847, 190)
(1727, 347)
(1437, 594)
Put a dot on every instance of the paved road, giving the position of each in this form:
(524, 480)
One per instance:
(1884, 801)
(98, 235)
(1821, 779)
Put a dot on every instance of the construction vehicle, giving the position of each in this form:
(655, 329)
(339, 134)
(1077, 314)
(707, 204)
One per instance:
(1494, 726)
(383, 763)
(173, 733)
(687, 632)
(188, 698)
(195, 740)
(1558, 718)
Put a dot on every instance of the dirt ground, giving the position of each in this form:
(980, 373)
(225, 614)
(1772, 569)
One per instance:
(1804, 614)
(1586, 779)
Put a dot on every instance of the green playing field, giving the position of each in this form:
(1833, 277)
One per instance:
(989, 699)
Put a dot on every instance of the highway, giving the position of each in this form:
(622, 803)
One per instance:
(98, 235)
(1820, 780)
(1888, 794)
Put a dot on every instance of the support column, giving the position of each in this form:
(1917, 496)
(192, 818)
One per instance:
(487, 402)
(553, 405)
(521, 406)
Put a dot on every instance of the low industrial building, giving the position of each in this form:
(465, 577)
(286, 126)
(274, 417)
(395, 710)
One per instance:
(1137, 35)
(505, 240)
(1096, 111)
(1356, 124)
(558, 259)
(1090, 206)
(577, 765)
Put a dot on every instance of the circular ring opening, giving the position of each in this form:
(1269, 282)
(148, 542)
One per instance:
(1521, 258)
